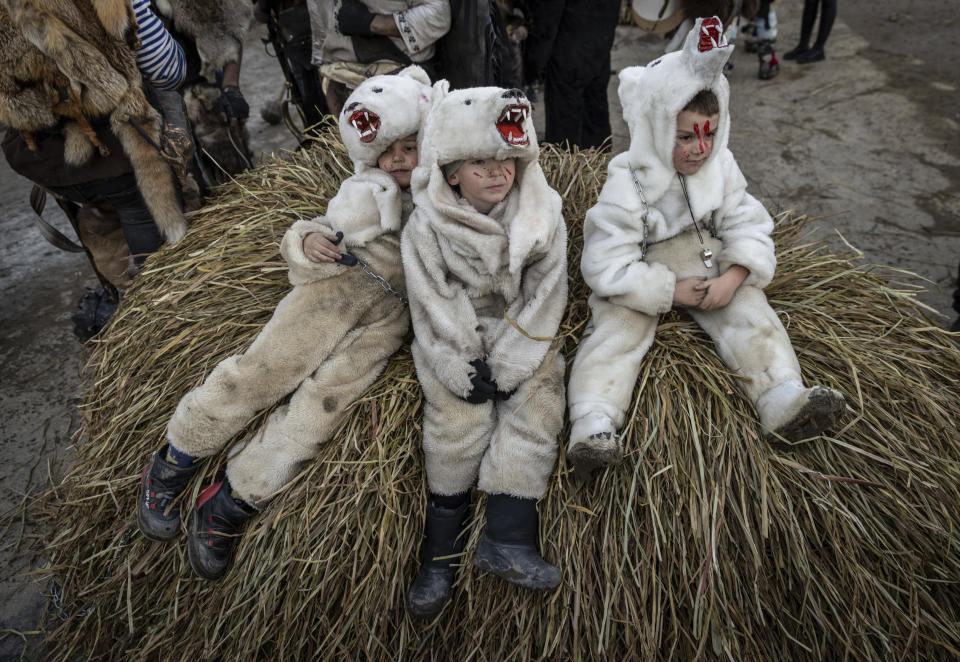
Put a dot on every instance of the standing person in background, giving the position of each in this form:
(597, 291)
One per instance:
(804, 53)
(72, 92)
(357, 40)
(569, 49)
(212, 33)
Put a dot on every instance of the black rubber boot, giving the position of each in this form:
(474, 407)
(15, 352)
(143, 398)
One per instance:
(508, 547)
(796, 52)
(161, 486)
(215, 529)
(442, 543)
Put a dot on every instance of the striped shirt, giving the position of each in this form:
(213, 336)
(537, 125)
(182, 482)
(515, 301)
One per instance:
(160, 58)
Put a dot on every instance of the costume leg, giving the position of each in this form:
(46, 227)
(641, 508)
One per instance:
(456, 433)
(523, 448)
(753, 343)
(298, 337)
(295, 432)
(806, 21)
(605, 369)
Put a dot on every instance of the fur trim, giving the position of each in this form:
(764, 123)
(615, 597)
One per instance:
(217, 27)
(382, 110)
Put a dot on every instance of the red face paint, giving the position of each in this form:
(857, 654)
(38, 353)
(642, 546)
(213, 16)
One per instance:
(477, 174)
(696, 130)
(509, 172)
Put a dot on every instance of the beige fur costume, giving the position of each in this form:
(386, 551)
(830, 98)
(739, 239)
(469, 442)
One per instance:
(332, 334)
(466, 272)
(71, 62)
(631, 289)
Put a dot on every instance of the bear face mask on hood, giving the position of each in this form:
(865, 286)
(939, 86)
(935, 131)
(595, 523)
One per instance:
(481, 123)
(382, 110)
(653, 96)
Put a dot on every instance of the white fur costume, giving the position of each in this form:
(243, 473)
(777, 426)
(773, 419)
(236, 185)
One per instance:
(466, 272)
(331, 336)
(630, 290)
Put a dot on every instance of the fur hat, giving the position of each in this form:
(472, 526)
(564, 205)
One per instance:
(653, 96)
(382, 110)
(480, 123)
(477, 123)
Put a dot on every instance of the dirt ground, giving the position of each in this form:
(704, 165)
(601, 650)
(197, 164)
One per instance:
(869, 140)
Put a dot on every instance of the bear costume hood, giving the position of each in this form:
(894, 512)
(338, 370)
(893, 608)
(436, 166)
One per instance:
(653, 96)
(382, 110)
(479, 123)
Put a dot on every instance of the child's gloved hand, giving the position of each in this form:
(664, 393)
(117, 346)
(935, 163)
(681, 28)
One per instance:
(355, 19)
(318, 248)
(718, 291)
(484, 388)
(689, 292)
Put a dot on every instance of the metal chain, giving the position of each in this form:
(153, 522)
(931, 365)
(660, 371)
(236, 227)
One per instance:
(646, 210)
(381, 280)
(57, 598)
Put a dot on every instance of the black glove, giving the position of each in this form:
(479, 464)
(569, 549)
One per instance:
(232, 104)
(484, 388)
(355, 19)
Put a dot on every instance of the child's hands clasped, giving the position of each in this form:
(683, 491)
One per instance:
(688, 293)
(718, 291)
(318, 248)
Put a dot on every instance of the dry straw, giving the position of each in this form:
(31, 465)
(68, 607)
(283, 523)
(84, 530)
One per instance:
(706, 543)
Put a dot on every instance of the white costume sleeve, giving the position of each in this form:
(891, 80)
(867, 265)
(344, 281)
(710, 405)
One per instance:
(367, 205)
(423, 23)
(744, 226)
(444, 320)
(301, 269)
(612, 263)
(538, 311)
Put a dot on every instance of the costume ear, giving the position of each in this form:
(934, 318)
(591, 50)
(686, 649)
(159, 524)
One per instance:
(440, 89)
(630, 81)
(417, 74)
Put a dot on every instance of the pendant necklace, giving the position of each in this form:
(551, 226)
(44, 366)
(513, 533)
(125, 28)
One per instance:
(705, 254)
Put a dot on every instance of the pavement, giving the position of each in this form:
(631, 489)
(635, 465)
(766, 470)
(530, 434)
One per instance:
(868, 141)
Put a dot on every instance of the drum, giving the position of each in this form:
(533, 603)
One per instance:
(657, 16)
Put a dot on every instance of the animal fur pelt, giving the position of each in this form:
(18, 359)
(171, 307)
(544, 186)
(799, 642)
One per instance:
(73, 62)
(217, 28)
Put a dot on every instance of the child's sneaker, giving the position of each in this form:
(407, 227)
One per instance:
(769, 66)
(594, 444)
(162, 484)
(215, 529)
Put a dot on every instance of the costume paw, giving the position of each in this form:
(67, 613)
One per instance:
(822, 411)
(598, 450)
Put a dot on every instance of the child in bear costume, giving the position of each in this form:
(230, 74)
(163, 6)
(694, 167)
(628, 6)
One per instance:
(326, 343)
(644, 254)
(485, 261)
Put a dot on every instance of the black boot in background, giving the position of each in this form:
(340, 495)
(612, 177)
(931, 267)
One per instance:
(508, 547)
(442, 543)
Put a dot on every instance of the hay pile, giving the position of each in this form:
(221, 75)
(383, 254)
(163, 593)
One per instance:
(705, 543)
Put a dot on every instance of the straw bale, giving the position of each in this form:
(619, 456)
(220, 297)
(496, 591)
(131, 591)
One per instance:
(706, 543)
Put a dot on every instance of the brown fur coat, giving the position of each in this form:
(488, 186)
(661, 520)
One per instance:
(71, 61)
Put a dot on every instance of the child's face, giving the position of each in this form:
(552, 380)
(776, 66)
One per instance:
(400, 159)
(484, 182)
(695, 133)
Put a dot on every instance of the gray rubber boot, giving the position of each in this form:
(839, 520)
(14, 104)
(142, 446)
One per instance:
(508, 547)
(442, 544)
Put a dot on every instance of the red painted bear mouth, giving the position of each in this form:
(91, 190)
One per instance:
(367, 123)
(510, 124)
(711, 35)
